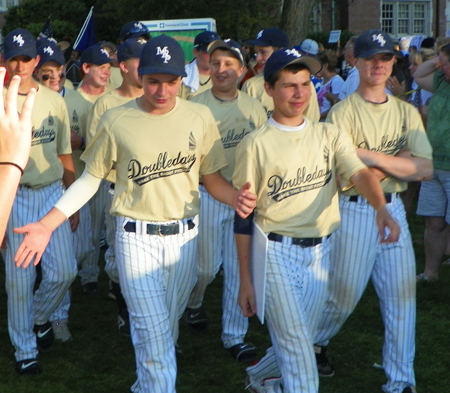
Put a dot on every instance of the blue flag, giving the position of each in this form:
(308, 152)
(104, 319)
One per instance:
(86, 37)
(46, 31)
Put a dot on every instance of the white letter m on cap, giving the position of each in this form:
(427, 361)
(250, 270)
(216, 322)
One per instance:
(164, 53)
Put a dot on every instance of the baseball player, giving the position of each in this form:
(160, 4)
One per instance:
(131, 88)
(159, 145)
(134, 29)
(292, 163)
(389, 137)
(95, 70)
(198, 77)
(236, 115)
(268, 41)
(51, 73)
(40, 187)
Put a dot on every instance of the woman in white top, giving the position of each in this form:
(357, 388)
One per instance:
(332, 82)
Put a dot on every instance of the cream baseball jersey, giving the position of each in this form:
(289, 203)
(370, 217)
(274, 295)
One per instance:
(205, 84)
(235, 119)
(293, 174)
(386, 128)
(254, 87)
(157, 160)
(105, 102)
(50, 139)
(78, 108)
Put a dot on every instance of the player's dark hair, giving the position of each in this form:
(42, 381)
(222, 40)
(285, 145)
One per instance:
(293, 68)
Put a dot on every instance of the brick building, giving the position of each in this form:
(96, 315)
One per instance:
(398, 18)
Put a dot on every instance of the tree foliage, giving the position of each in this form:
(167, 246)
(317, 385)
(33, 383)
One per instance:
(67, 17)
(238, 19)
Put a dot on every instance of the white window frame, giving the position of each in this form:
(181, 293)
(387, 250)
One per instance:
(400, 24)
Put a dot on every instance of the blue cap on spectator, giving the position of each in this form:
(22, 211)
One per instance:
(203, 39)
(285, 57)
(272, 36)
(134, 30)
(50, 52)
(230, 45)
(95, 54)
(130, 48)
(372, 42)
(162, 55)
(310, 47)
(19, 42)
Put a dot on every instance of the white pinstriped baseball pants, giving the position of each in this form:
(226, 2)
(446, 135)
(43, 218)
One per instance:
(59, 269)
(356, 257)
(89, 270)
(296, 289)
(83, 249)
(110, 221)
(217, 247)
(157, 274)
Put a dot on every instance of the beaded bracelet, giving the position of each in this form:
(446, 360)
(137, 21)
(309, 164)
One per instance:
(13, 164)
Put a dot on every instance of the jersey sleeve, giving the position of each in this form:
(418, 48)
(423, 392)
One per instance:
(417, 141)
(246, 167)
(101, 154)
(213, 157)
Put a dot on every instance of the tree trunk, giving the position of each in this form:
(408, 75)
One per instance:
(295, 19)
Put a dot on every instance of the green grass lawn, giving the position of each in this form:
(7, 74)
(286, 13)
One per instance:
(99, 360)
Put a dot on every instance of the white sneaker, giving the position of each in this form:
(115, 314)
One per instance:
(268, 385)
(61, 331)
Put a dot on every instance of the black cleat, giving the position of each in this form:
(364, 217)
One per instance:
(44, 336)
(323, 362)
(28, 367)
(196, 319)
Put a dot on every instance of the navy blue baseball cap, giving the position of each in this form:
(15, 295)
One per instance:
(162, 55)
(284, 57)
(96, 55)
(272, 36)
(50, 52)
(229, 45)
(45, 41)
(203, 39)
(130, 48)
(134, 30)
(372, 42)
(19, 42)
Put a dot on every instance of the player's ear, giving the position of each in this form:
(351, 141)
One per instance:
(123, 67)
(268, 89)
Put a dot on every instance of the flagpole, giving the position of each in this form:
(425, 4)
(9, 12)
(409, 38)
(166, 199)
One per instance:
(80, 35)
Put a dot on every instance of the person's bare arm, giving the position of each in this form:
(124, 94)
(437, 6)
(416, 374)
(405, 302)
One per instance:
(425, 73)
(246, 291)
(402, 166)
(369, 187)
(242, 200)
(68, 179)
(15, 144)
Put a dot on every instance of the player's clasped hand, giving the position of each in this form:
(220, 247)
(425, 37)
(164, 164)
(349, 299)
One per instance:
(245, 201)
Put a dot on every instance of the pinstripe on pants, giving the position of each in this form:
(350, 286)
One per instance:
(58, 263)
(217, 247)
(356, 257)
(296, 288)
(157, 274)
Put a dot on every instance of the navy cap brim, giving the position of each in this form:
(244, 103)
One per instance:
(219, 44)
(161, 70)
(258, 43)
(375, 52)
(311, 63)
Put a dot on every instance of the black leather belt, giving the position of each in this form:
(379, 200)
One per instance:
(160, 230)
(298, 241)
(389, 197)
(112, 186)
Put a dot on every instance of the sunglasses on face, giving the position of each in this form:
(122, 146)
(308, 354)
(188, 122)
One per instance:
(46, 77)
